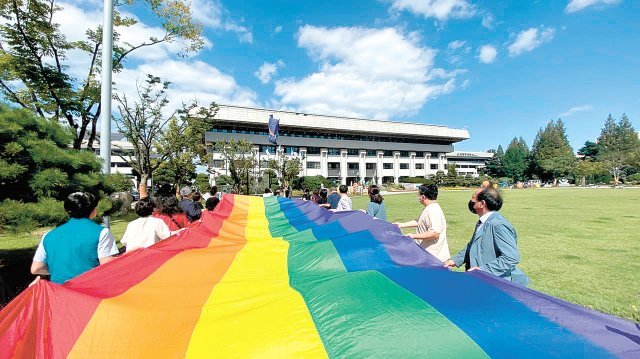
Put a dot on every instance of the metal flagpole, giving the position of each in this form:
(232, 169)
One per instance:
(105, 92)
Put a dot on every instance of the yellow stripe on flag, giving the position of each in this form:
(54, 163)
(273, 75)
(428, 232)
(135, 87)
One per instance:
(253, 312)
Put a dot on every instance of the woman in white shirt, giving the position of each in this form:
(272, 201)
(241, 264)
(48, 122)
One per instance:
(146, 230)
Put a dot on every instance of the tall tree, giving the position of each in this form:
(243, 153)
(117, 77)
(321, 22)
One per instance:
(618, 142)
(515, 161)
(551, 152)
(239, 161)
(161, 137)
(286, 168)
(494, 166)
(589, 150)
(34, 69)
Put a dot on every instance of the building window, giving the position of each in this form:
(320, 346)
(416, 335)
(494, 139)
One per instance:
(371, 166)
(353, 166)
(446, 166)
(291, 149)
(352, 152)
(334, 151)
(434, 154)
(313, 165)
(404, 154)
(419, 154)
(434, 166)
(271, 149)
(388, 153)
(371, 153)
(313, 150)
(419, 166)
(387, 166)
(404, 166)
(218, 163)
(333, 165)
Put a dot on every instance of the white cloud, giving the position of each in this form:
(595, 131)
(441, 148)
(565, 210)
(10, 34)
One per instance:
(487, 21)
(487, 54)
(266, 72)
(577, 5)
(373, 73)
(192, 80)
(455, 50)
(441, 10)
(529, 39)
(576, 109)
(213, 15)
(278, 29)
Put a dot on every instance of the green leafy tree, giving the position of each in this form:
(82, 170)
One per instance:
(588, 169)
(34, 69)
(618, 144)
(287, 169)
(36, 161)
(552, 154)
(160, 137)
(239, 159)
(202, 182)
(589, 150)
(494, 166)
(515, 162)
(451, 170)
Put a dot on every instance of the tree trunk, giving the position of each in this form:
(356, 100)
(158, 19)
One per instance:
(584, 180)
(142, 188)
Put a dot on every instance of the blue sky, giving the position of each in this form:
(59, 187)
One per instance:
(500, 69)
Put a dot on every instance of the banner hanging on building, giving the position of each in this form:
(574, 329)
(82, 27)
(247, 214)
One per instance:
(274, 128)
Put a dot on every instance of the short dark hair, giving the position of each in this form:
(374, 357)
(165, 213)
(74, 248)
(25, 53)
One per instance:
(374, 194)
(144, 207)
(197, 197)
(211, 203)
(80, 204)
(491, 197)
(169, 205)
(214, 190)
(343, 188)
(429, 190)
(323, 193)
(268, 190)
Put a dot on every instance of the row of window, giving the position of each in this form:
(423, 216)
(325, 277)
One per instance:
(311, 133)
(370, 166)
(336, 151)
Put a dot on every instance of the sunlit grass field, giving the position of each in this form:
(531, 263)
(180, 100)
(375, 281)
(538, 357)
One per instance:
(578, 244)
(581, 245)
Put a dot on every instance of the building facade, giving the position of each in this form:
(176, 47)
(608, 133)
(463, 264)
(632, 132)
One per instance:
(345, 149)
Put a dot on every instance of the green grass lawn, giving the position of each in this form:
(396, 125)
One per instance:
(581, 245)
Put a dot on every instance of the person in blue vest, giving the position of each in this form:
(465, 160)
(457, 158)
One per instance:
(76, 246)
(494, 244)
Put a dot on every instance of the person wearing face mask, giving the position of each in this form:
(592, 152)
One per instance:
(431, 226)
(494, 245)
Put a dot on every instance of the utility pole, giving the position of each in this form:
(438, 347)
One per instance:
(105, 91)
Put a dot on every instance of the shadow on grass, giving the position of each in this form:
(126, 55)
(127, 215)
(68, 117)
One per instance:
(15, 273)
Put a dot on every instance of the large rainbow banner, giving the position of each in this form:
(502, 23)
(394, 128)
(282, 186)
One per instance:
(272, 277)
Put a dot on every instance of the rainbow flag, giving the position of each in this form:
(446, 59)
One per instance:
(272, 277)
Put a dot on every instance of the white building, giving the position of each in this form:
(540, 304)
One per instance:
(346, 149)
(121, 151)
(468, 163)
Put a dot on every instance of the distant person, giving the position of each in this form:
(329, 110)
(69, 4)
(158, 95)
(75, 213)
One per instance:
(345, 203)
(212, 193)
(333, 198)
(267, 193)
(287, 192)
(315, 195)
(323, 200)
(146, 230)
(494, 244)
(306, 196)
(188, 206)
(197, 201)
(375, 208)
(431, 226)
(211, 203)
(76, 246)
(167, 209)
(486, 184)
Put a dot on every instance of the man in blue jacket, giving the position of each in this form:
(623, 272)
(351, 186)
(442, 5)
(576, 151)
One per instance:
(494, 245)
